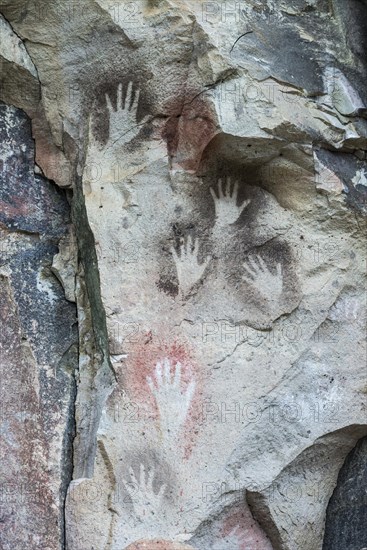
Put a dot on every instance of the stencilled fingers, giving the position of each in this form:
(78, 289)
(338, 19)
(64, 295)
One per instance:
(141, 489)
(189, 270)
(172, 398)
(227, 211)
(257, 274)
(123, 120)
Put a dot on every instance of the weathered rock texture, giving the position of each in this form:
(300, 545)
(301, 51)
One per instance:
(214, 155)
(39, 348)
(346, 515)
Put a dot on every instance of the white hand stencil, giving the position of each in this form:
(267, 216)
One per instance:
(189, 271)
(226, 209)
(258, 274)
(123, 121)
(147, 504)
(173, 403)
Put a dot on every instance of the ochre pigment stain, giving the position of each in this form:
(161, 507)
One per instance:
(189, 129)
(240, 525)
(141, 364)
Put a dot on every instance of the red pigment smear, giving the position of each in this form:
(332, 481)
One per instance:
(141, 363)
(241, 525)
(18, 208)
(190, 129)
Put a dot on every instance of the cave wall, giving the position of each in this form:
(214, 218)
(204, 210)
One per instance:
(39, 347)
(189, 180)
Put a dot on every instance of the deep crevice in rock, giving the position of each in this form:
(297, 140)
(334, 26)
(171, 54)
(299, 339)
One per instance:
(99, 380)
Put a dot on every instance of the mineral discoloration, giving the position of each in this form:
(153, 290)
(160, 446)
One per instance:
(189, 131)
(38, 347)
(216, 153)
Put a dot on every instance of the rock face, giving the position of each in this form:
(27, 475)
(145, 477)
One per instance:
(39, 348)
(214, 157)
(346, 515)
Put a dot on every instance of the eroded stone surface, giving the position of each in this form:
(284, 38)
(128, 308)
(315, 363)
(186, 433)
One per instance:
(346, 512)
(38, 348)
(217, 155)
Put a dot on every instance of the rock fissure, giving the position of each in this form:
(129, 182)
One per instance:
(210, 242)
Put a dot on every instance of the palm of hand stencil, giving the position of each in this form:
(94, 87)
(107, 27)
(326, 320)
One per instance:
(257, 274)
(123, 121)
(226, 210)
(147, 504)
(172, 401)
(189, 271)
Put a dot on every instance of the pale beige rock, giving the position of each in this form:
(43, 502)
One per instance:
(13, 49)
(64, 265)
(217, 163)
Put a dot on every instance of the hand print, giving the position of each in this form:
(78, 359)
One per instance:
(147, 504)
(189, 271)
(123, 121)
(226, 209)
(258, 274)
(172, 401)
